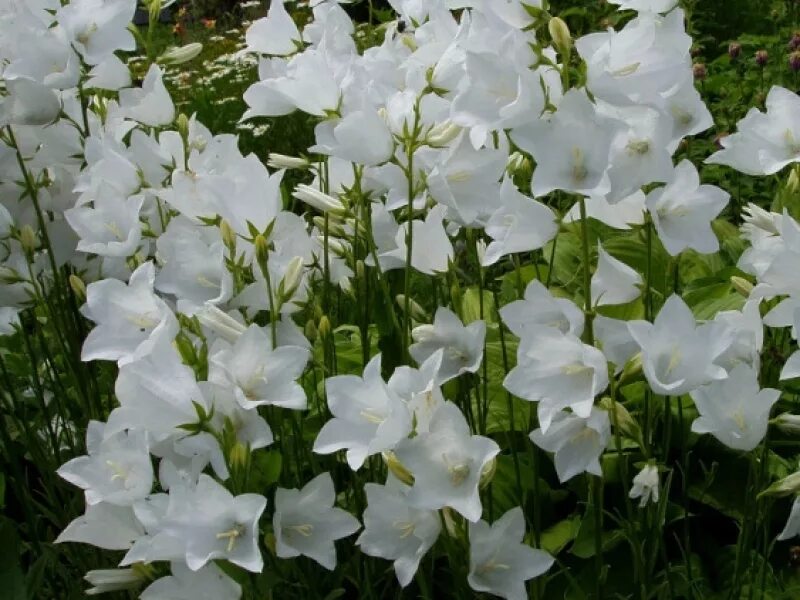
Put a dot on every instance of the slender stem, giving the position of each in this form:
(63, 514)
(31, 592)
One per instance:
(587, 274)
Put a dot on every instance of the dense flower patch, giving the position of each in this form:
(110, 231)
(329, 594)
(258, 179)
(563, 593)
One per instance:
(499, 253)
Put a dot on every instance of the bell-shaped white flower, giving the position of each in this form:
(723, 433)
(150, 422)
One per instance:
(735, 410)
(206, 522)
(361, 137)
(368, 417)
(104, 525)
(557, 370)
(117, 469)
(792, 527)
(420, 390)
(540, 308)
(395, 530)
(462, 345)
(499, 561)
(185, 584)
(28, 102)
(613, 282)
(151, 104)
(111, 226)
(678, 355)
(260, 373)
(97, 28)
(307, 523)
(682, 211)
(447, 463)
(274, 34)
(520, 224)
(765, 142)
(571, 148)
(645, 485)
(577, 442)
(130, 319)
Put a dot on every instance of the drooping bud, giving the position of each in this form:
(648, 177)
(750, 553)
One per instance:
(787, 423)
(762, 57)
(700, 72)
(734, 50)
(416, 311)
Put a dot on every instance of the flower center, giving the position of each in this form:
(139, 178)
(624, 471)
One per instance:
(233, 534)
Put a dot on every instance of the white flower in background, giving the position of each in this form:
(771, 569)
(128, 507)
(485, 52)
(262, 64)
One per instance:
(117, 469)
(645, 485)
(368, 417)
(361, 137)
(98, 28)
(462, 345)
(577, 442)
(735, 410)
(307, 523)
(395, 530)
(658, 6)
(499, 561)
(447, 463)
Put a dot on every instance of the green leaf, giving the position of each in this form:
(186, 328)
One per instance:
(554, 539)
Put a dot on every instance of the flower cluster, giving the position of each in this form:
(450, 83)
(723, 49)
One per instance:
(465, 135)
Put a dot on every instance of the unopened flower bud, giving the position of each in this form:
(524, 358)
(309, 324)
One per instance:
(443, 133)
(324, 327)
(113, 580)
(787, 423)
(182, 124)
(291, 280)
(262, 251)
(487, 473)
(28, 239)
(78, 287)
(239, 456)
(742, 285)
(794, 61)
(620, 417)
(310, 331)
(559, 32)
(734, 50)
(282, 161)
(317, 199)
(416, 311)
(397, 468)
(220, 323)
(700, 72)
(762, 57)
(180, 55)
(360, 269)
(632, 371)
(228, 236)
(787, 486)
(794, 43)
